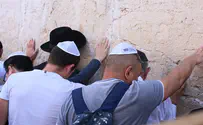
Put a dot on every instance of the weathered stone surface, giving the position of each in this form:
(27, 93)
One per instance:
(167, 30)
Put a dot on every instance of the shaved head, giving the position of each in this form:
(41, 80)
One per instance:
(118, 62)
(118, 65)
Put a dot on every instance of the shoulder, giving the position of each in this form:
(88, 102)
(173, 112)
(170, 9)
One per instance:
(144, 89)
(147, 82)
(69, 84)
(147, 86)
(102, 85)
(21, 76)
(107, 82)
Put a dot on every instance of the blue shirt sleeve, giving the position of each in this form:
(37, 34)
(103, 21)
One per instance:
(151, 94)
(86, 74)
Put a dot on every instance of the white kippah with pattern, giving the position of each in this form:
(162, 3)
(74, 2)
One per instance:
(123, 48)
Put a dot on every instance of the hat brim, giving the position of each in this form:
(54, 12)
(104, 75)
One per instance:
(46, 47)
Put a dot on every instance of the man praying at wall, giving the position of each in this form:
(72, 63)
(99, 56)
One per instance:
(39, 94)
(61, 34)
(141, 98)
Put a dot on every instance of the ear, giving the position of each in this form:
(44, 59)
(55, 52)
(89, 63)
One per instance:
(11, 70)
(128, 72)
(148, 70)
(70, 68)
(146, 73)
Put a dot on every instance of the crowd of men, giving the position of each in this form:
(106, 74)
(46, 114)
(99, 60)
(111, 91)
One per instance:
(56, 93)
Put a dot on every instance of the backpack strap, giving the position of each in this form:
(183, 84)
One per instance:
(114, 97)
(78, 101)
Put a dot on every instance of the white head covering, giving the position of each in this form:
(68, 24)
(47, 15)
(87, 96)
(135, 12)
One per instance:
(18, 53)
(123, 49)
(69, 47)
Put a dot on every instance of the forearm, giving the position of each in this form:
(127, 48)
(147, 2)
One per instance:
(3, 112)
(177, 77)
(187, 120)
(177, 95)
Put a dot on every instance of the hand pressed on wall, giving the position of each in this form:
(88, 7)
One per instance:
(31, 51)
(102, 50)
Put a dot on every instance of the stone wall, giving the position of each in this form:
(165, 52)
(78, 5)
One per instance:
(166, 30)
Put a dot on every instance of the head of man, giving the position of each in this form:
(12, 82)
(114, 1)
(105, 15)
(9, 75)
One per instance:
(1, 49)
(62, 34)
(145, 65)
(63, 59)
(123, 63)
(17, 63)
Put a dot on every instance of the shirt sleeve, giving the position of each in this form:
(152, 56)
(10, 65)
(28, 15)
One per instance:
(61, 116)
(86, 74)
(6, 89)
(5, 92)
(150, 94)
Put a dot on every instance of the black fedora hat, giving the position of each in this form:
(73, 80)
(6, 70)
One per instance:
(79, 39)
(62, 34)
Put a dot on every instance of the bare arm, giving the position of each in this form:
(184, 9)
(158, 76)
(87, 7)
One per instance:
(177, 77)
(175, 98)
(195, 119)
(3, 111)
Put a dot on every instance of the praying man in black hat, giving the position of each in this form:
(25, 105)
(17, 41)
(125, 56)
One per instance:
(67, 34)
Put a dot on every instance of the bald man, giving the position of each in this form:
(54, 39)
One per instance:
(140, 99)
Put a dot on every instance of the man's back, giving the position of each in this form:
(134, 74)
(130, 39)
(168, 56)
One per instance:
(35, 97)
(129, 110)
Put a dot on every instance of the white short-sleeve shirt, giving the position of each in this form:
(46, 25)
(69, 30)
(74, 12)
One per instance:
(35, 97)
